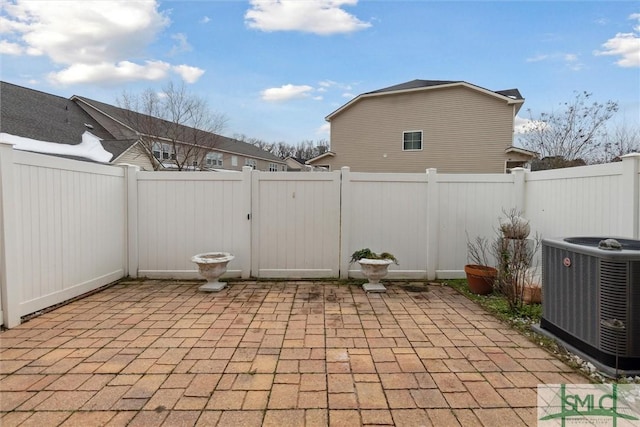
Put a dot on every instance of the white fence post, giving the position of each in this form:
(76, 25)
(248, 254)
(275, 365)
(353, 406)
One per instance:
(631, 195)
(345, 213)
(519, 195)
(432, 223)
(131, 206)
(9, 271)
(245, 257)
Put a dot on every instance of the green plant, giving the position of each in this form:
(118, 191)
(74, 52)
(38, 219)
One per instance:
(369, 254)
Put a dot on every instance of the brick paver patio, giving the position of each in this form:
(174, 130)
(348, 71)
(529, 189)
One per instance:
(273, 354)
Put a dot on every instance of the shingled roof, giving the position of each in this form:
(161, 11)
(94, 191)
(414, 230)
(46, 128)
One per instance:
(416, 85)
(45, 117)
(222, 143)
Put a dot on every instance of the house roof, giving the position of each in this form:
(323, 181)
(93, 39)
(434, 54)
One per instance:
(512, 96)
(127, 118)
(519, 150)
(320, 157)
(45, 117)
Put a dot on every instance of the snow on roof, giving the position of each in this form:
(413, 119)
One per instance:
(90, 147)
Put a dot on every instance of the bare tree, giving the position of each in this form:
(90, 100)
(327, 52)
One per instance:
(260, 143)
(621, 139)
(305, 150)
(574, 132)
(176, 128)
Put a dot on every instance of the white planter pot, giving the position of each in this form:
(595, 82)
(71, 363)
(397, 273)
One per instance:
(374, 270)
(212, 265)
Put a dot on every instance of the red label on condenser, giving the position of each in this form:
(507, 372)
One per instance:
(567, 262)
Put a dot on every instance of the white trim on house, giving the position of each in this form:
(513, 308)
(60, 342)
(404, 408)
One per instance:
(404, 132)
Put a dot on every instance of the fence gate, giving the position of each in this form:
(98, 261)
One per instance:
(296, 224)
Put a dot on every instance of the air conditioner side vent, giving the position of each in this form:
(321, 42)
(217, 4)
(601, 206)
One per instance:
(633, 335)
(614, 299)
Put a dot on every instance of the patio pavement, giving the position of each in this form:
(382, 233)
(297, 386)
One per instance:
(146, 353)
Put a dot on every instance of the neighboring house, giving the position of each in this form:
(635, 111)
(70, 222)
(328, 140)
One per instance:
(41, 117)
(225, 153)
(295, 164)
(453, 126)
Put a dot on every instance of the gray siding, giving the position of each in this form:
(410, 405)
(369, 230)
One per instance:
(464, 130)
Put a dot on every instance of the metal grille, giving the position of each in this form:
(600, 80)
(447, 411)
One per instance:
(614, 299)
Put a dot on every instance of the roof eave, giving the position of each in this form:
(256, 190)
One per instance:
(510, 101)
(321, 156)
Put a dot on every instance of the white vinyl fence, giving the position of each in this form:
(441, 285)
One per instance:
(69, 227)
(63, 230)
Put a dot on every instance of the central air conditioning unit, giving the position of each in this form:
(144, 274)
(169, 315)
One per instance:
(591, 299)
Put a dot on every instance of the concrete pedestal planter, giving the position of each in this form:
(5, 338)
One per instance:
(374, 267)
(212, 265)
(374, 270)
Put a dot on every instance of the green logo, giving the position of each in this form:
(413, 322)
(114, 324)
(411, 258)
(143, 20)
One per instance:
(588, 404)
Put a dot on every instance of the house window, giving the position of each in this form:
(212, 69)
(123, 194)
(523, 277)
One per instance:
(412, 140)
(234, 160)
(251, 162)
(273, 167)
(213, 160)
(163, 151)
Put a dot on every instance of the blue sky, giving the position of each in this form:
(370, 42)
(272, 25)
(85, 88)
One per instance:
(276, 68)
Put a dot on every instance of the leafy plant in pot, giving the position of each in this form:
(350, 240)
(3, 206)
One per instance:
(480, 275)
(374, 267)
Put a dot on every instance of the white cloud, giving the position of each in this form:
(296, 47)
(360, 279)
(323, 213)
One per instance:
(189, 74)
(571, 60)
(205, 20)
(181, 45)
(8, 48)
(538, 58)
(106, 72)
(313, 16)
(522, 125)
(325, 129)
(327, 83)
(286, 92)
(93, 40)
(625, 45)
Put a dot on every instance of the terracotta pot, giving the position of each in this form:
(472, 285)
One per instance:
(480, 278)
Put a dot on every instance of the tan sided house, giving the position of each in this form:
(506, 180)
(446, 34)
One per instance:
(453, 126)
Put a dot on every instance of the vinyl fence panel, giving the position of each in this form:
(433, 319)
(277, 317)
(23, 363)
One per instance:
(70, 228)
(469, 206)
(387, 213)
(181, 214)
(296, 224)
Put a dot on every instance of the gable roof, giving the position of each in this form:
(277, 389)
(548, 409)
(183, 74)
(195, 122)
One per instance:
(523, 151)
(42, 116)
(511, 96)
(124, 117)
